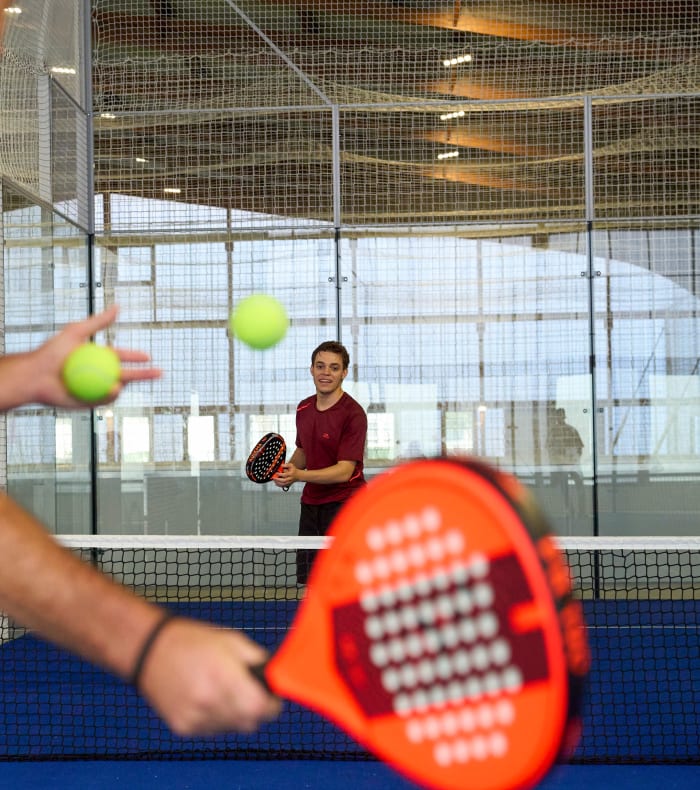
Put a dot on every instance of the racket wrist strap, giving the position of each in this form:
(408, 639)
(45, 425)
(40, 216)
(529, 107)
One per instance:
(135, 676)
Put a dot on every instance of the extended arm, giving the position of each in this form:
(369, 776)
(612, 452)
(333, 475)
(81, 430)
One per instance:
(196, 676)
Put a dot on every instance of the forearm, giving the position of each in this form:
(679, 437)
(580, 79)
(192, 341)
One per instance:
(338, 473)
(20, 378)
(44, 587)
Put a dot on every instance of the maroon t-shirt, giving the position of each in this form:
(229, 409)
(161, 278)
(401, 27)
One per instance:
(326, 437)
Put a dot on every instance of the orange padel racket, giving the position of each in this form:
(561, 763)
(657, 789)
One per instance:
(266, 458)
(439, 630)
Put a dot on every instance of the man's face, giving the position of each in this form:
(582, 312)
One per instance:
(327, 371)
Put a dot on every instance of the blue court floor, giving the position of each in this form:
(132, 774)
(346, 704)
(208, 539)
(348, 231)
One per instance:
(304, 775)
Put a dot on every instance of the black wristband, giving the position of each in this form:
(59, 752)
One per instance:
(135, 675)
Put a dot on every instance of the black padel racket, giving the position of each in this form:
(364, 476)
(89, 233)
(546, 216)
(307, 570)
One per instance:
(266, 458)
(440, 631)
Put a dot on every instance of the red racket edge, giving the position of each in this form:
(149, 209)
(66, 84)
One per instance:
(568, 608)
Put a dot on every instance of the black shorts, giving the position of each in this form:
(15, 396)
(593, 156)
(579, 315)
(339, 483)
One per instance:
(314, 521)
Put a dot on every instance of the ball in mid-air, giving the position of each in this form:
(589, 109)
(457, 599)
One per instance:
(260, 321)
(91, 371)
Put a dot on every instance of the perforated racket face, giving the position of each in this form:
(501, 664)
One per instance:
(266, 458)
(432, 633)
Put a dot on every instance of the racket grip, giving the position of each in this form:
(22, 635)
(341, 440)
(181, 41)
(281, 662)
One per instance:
(258, 672)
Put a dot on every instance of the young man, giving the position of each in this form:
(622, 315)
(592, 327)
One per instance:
(330, 446)
(194, 675)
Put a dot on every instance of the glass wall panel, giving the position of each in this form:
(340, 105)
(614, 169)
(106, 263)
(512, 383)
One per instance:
(647, 385)
(172, 452)
(477, 345)
(45, 270)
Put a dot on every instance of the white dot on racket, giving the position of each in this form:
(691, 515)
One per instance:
(454, 542)
(398, 561)
(467, 720)
(392, 622)
(472, 688)
(393, 533)
(437, 696)
(391, 680)
(426, 612)
(445, 606)
(467, 630)
(409, 677)
(380, 566)
(369, 602)
(409, 617)
(479, 747)
(416, 555)
(378, 654)
(492, 684)
(449, 633)
(450, 723)
(505, 713)
(441, 580)
(414, 646)
(459, 574)
(443, 667)
(387, 597)
(443, 754)
(419, 700)
(463, 601)
(432, 641)
(460, 750)
(480, 657)
(363, 573)
(414, 731)
(374, 628)
(498, 744)
(512, 679)
(397, 651)
(483, 595)
(403, 704)
(485, 716)
(500, 652)
(431, 518)
(461, 662)
(487, 625)
(435, 549)
(426, 671)
(431, 727)
(375, 539)
(411, 526)
(422, 586)
(479, 565)
(454, 691)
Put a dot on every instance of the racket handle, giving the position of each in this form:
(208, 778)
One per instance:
(258, 672)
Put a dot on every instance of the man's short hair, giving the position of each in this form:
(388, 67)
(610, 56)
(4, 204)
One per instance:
(333, 347)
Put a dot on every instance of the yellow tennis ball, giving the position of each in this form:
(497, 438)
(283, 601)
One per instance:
(91, 371)
(260, 321)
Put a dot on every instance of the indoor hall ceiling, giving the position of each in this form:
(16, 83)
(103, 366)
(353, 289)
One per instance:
(233, 104)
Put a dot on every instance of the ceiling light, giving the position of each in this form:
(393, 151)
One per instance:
(449, 115)
(63, 70)
(13, 9)
(172, 190)
(109, 115)
(450, 62)
(448, 155)
(141, 159)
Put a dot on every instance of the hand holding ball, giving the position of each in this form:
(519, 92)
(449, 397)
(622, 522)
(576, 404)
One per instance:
(259, 321)
(91, 371)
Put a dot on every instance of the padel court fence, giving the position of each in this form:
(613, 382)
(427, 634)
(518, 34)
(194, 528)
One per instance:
(642, 605)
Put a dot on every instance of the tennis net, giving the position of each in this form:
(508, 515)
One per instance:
(641, 601)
